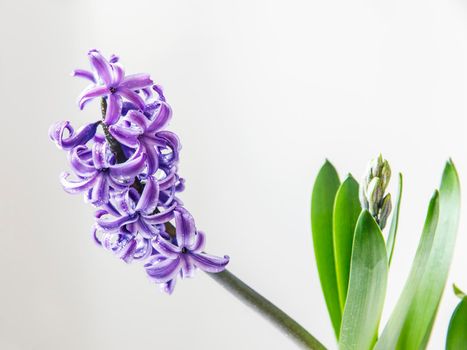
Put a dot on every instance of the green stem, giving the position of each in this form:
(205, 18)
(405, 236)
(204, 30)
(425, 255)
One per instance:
(264, 307)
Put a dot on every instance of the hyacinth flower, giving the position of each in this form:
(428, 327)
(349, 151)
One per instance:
(112, 83)
(136, 213)
(129, 173)
(136, 131)
(182, 254)
(99, 174)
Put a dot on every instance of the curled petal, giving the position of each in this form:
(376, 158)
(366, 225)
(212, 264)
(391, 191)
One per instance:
(91, 93)
(82, 73)
(169, 286)
(82, 136)
(161, 218)
(125, 135)
(185, 225)
(162, 118)
(198, 243)
(79, 186)
(167, 181)
(131, 96)
(164, 270)
(80, 161)
(152, 156)
(99, 153)
(124, 204)
(101, 66)
(136, 81)
(150, 196)
(113, 58)
(100, 191)
(165, 248)
(130, 168)
(116, 222)
(158, 89)
(114, 108)
(171, 140)
(209, 263)
(138, 118)
(128, 250)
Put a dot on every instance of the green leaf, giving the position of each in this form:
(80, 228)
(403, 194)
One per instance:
(457, 291)
(410, 324)
(322, 204)
(457, 331)
(390, 242)
(367, 286)
(346, 211)
(391, 333)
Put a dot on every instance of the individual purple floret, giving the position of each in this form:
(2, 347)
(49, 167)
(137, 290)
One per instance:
(110, 81)
(136, 213)
(130, 174)
(99, 173)
(182, 254)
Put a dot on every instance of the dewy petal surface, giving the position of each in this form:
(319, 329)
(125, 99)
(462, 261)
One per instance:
(150, 196)
(185, 225)
(164, 270)
(166, 248)
(114, 108)
(210, 263)
(101, 66)
(136, 81)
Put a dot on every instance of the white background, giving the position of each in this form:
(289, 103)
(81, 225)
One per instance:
(262, 92)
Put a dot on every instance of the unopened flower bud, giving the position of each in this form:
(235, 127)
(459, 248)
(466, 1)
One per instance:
(386, 208)
(372, 190)
(375, 195)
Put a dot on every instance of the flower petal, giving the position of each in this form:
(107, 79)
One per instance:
(185, 225)
(209, 263)
(91, 93)
(165, 248)
(131, 96)
(146, 229)
(198, 243)
(99, 153)
(82, 136)
(130, 168)
(169, 286)
(79, 158)
(100, 191)
(115, 223)
(188, 268)
(161, 218)
(163, 270)
(150, 196)
(79, 186)
(138, 118)
(136, 81)
(114, 108)
(118, 74)
(161, 119)
(152, 156)
(125, 135)
(82, 73)
(101, 66)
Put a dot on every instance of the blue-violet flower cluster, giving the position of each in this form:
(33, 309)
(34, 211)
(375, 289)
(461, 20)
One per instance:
(129, 173)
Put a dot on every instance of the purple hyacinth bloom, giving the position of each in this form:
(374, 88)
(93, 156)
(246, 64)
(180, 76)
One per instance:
(110, 81)
(137, 213)
(182, 255)
(135, 130)
(98, 172)
(82, 136)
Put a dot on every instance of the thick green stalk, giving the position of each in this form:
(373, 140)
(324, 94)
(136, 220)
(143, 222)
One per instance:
(267, 309)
